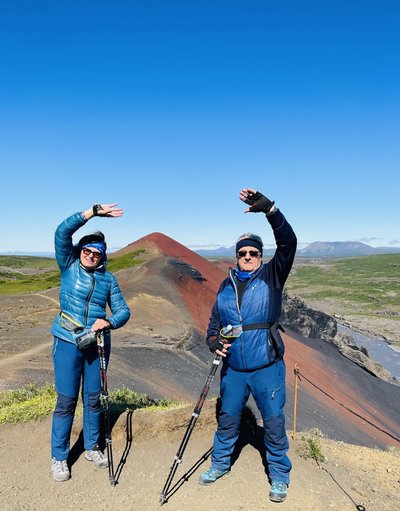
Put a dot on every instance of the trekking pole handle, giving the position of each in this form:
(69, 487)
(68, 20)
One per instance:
(100, 338)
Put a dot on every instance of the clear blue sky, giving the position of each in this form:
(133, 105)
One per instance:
(169, 108)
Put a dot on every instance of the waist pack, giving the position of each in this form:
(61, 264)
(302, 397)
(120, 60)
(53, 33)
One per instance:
(88, 338)
(82, 336)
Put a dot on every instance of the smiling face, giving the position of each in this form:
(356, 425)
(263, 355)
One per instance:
(248, 259)
(90, 258)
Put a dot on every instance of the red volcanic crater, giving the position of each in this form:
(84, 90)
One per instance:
(195, 278)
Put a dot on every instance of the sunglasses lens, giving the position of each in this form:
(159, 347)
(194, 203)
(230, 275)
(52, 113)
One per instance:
(253, 253)
(87, 252)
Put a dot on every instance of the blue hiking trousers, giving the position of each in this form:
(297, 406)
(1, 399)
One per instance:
(71, 366)
(268, 388)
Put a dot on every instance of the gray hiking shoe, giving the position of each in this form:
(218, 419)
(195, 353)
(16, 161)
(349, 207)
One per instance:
(97, 457)
(211, 475)
(278, 491)
(60, 470)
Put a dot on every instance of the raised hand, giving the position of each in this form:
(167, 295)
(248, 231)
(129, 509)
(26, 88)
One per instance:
(107, 210)
(257, 201)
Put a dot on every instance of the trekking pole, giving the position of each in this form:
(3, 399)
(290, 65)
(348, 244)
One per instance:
(189, 430)
(104, 406)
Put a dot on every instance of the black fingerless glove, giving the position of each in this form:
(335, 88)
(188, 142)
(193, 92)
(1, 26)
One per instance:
(215, 343)
(96, 208)
(259, 203)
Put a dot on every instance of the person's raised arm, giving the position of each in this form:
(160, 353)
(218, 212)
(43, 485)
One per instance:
(285, 238)
(64, 248)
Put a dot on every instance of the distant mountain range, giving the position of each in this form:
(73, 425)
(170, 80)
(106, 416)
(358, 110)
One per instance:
(316, 249)
(28, 253)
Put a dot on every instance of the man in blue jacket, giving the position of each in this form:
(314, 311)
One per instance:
(249, 304)
(85, 291)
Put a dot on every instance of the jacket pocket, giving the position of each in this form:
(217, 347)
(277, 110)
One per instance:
(69, 323)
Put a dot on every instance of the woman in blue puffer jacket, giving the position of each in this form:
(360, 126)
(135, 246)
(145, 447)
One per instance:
(85, 291)
(247, 308)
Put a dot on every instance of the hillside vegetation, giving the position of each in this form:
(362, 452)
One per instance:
(26, 274)
(27, 262)
(31, 403)
(367, 288)
(371, 281)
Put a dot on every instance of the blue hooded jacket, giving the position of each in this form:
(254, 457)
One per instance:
(84, 294)
(261, 303)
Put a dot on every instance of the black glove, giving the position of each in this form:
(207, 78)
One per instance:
(215, 343)
(96, 208)
(258, 202)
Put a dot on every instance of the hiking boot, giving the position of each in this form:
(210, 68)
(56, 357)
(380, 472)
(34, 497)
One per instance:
(211, 475)
(97, 457)
(278, 491)
(60, 470)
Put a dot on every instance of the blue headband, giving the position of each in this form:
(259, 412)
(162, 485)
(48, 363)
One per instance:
(248, 242)
(100, 246)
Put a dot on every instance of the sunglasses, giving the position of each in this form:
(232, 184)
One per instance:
(252, 253)
(87, 252)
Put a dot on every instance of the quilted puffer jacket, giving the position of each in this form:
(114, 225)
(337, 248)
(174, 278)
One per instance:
(84, 294)
(261, 304)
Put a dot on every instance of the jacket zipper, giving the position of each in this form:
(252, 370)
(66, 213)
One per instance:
(89, 296)
(238, 308)
(239, 313)
(237, 296)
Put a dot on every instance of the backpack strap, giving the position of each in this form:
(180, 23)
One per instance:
(263, 326)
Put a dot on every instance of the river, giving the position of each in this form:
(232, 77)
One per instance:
(378, 349)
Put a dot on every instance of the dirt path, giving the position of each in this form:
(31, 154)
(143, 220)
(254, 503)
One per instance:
(369, 477)
(56, 301)
(19, 358)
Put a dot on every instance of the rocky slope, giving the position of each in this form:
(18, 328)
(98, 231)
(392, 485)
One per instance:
(315, 324)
